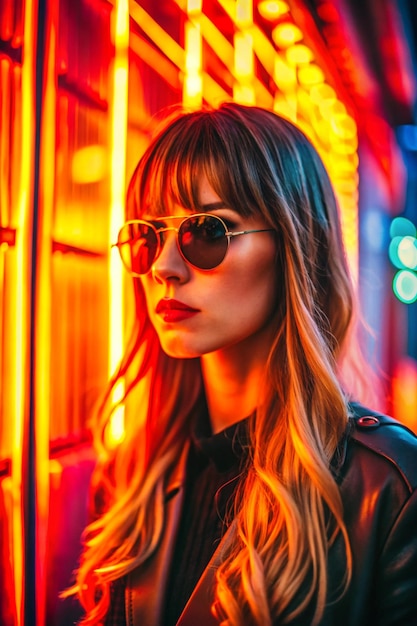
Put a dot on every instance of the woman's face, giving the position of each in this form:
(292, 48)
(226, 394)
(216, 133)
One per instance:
(197, 312)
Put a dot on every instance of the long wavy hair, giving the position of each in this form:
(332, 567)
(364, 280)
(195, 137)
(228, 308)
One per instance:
(289, 509)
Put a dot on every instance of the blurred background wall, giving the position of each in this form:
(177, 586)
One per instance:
(80, 84)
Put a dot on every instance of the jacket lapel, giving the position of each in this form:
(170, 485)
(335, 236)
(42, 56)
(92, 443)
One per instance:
(145, 588)
(198, 608)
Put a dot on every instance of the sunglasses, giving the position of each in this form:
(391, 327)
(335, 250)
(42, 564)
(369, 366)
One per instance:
(202, 239)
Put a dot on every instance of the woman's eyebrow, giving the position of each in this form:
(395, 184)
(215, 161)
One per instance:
(214, 206)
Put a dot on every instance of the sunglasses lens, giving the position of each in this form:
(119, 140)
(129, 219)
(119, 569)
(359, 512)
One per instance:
(138, 245)
(202, 241)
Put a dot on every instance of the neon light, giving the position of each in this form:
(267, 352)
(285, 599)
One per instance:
(344, 126)
(401, 226)
(155, 59)
(310, 75)
(285, 76)
(404, 392)
(117, 187)
(244, 67)
(89, 164)
(298, 54)
(157, 34)
(192, 48)
(322, 93)
(273, 9)
(405, 286)
(193, 83)
(194, 6)
(19, 377)
(244, 71)
(244, 13)
(407, 252)
(286, 34)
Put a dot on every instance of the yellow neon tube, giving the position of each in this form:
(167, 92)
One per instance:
(117, 194)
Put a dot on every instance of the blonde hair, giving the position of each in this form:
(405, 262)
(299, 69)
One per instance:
(258, 163)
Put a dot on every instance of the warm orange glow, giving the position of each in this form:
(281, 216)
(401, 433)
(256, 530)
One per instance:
(193, 48)
(322, 93)
(244, 67)
(157, 35)
(263, 48)
(120, 18)
(116, 429)
(286, 34)
(55, 467)
(194, 6)
(344, 148)
(298, 54)
(329, 108)
(216, 40)
(344, 126)
(243, 88)
(193, 83)
(404, 392)
(244, 13)
(20, 305)
(310, 75)
(285, 76)
(273, 9)
(20, 297)
(89, 164)
(155, 59)
(244, 94)
(212, 91)
(193, 90)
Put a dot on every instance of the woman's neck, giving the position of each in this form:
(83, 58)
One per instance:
(233, 380)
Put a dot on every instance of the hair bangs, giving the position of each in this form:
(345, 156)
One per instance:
(195, 146)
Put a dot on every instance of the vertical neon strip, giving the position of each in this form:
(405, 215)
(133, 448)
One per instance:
(243, 89)
(119, 113)
(244, 13)
(22, 286)
(194, 6)
(193, 80)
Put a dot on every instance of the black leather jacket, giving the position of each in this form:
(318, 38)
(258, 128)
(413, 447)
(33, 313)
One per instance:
(376, 468)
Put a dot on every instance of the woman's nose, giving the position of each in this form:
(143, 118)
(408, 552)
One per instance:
(170, 264)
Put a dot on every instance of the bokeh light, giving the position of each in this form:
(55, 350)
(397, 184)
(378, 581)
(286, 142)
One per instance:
(401, 226)
(405, 286)
(273, 9)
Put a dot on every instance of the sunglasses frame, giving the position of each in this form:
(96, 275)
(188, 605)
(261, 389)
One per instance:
(228, 234)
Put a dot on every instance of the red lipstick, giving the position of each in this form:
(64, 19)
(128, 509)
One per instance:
(174, 311)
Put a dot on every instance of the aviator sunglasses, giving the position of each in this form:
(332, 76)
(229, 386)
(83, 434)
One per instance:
(202, 239)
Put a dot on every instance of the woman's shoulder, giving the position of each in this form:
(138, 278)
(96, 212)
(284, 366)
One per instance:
(382, 441)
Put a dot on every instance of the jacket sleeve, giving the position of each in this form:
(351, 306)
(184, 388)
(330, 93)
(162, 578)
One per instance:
(397, 579)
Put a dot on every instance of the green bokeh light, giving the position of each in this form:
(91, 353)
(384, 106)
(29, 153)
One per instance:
(401, 227)
(405, 286)
(407, 252)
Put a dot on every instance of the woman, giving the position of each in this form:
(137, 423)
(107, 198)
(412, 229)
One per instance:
(249, 489)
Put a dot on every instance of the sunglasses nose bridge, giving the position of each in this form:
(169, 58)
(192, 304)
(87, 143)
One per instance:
(166, 228)
(169, 254)
(162, 239)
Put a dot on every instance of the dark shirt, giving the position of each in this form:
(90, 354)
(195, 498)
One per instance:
(213, 468)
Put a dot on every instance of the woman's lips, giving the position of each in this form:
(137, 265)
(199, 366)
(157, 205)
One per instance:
(174, 311)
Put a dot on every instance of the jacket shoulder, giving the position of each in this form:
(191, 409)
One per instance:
(387, 437)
